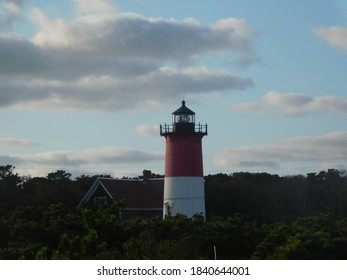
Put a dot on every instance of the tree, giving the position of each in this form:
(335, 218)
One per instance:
(6, 171)
(316, 237)
(60, 176)
(9, 185)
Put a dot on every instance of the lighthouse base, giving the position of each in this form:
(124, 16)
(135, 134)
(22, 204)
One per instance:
(184, 195)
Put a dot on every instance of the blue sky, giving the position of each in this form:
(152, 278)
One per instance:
(84, 84)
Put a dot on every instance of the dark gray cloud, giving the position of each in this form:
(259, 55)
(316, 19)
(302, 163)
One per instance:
(106, 93)
(116, 62)
(23, 58)
(20, 57)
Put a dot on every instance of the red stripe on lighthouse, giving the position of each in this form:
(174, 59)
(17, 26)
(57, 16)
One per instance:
(184, 155)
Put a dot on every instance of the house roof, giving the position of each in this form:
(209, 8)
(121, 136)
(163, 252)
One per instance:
(134, 193)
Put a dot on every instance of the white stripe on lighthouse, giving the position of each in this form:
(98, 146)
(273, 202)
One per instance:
(185, 195)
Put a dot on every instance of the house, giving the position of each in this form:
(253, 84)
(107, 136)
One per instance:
(139, 197)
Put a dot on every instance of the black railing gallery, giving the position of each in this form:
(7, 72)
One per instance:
(171, 128)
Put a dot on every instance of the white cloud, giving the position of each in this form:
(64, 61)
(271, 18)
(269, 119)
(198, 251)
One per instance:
(15, 142)
(93, 160)
(294, 104)
(324, 149)
(92, 7)
(147, 130)
(12, 9)
(336, 36)
(132, 35)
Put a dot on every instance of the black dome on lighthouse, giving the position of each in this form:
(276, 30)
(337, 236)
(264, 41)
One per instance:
(183, 110)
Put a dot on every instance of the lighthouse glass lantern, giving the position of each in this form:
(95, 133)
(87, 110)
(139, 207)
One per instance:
(184, 186)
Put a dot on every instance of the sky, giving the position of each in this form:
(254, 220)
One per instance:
(85, 84)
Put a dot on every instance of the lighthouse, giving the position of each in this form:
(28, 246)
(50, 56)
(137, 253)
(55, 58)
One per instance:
(184, 185)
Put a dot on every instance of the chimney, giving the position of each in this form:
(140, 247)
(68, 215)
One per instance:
(146, 175)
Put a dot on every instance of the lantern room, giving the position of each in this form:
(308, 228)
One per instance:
(183, 115)
(183, 121)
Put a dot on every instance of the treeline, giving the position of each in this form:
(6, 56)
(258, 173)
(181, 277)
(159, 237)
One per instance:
(249, 216)
(55, 232)
(261, 196)
(56, 187)
(272, 198)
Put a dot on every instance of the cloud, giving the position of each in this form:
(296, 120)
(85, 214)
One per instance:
(20, 57)
(132, 35)
(116, 61)
(294, 104)
(104, 155)
(95, 7)
(12, 9)
(336, 36)
(15, 142)
(147, 130)
(324, 149)
(89, 159)
(113, 93)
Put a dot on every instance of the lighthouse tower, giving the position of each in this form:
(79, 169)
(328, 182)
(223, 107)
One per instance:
(184, 190)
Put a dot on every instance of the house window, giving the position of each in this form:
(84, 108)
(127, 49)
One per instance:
(100, 200)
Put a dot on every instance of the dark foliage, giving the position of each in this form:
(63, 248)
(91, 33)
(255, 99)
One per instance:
(271, 198)
(249, 216)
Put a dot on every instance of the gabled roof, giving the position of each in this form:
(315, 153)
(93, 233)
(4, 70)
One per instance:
(134, 193)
